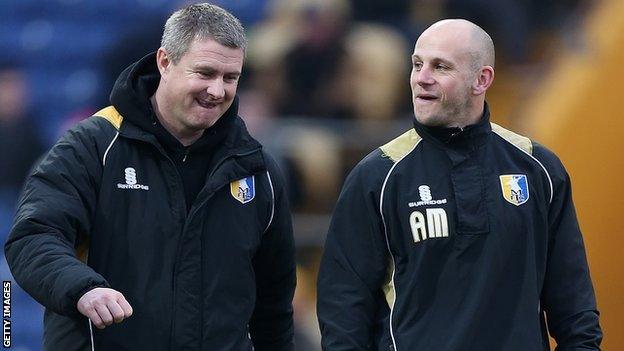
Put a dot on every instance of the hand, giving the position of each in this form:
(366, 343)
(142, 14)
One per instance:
(104, 306)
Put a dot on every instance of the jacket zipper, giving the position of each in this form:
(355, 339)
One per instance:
(187, 216)
(194, 209)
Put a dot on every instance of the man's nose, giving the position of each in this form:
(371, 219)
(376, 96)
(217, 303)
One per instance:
(424, 77)
(216, 89)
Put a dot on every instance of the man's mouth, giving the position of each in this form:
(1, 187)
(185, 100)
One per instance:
(207, 104)
(426, 97)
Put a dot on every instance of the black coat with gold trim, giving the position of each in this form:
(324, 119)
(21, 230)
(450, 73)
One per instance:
(456, 240)
(105, 208)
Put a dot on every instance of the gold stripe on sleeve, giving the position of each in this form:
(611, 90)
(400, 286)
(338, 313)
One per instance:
(110, 114)
(518, 140)
(401, 146)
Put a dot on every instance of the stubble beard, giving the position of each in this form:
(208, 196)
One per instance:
(450, 114)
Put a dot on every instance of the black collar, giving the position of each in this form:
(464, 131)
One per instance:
(455, 137)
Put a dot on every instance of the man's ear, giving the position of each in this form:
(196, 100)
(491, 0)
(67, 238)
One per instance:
(163, 62)
(484, 79)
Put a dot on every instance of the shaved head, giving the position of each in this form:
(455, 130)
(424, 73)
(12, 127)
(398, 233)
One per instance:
(477, 43)
(452, 68)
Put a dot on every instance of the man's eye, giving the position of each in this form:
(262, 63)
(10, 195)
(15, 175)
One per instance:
(441, 67)
(417, 65)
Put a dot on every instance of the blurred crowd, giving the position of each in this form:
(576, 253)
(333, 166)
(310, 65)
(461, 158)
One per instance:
(324, 82)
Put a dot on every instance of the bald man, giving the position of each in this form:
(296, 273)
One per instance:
(458, 235)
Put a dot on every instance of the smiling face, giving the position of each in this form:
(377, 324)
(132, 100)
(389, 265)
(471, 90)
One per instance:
(446, 81)
(196, 91)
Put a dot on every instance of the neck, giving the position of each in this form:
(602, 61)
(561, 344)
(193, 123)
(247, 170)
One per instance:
(473, 116)
(185, 136)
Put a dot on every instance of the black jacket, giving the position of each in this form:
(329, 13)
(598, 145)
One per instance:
(106, 208)
(456, 241)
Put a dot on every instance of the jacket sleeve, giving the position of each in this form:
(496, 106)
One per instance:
(271, 326)
(568, 295)
(354, 266)
(52, 220)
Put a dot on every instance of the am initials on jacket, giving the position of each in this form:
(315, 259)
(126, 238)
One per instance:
(432, 224)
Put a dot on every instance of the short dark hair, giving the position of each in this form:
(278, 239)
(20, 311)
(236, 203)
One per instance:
(201, 21)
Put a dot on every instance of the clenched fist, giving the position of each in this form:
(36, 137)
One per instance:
(104, 306)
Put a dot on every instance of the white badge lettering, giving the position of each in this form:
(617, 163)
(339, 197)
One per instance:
(436, 224)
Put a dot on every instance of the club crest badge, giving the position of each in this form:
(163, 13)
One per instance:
(243, 190)
(515, 188)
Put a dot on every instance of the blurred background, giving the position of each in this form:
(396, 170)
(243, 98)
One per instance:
(325, 82)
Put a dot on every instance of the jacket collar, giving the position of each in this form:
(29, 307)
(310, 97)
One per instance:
(460, 138)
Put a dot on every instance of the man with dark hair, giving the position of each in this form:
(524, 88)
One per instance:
(161, 211)
(458, 235)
